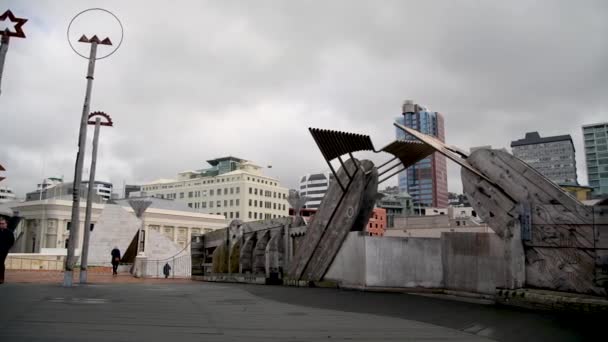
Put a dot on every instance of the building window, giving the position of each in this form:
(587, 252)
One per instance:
(231, 214)
(211, 192)
(256, 191)
(231, 203)
(238, 190)
(190, 205)
(250, 214)
(210, 204)
(255, 203)
(225, 203)
(274, 194)
(203, 204)
(238, 202)
(218, 204)
(225, 191)
(231, 191)
(190, 194)
(237, 214)
(181, 195)
(250, 202)
(250, 191)
(274, 206)
(255, 215)
(225, 214)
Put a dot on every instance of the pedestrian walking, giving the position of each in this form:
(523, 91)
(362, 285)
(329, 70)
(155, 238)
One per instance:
(167, 270)
(115, 260)
(7, 239)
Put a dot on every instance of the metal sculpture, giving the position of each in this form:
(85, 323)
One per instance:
(7, 34)
(551, 239)
(349, 202)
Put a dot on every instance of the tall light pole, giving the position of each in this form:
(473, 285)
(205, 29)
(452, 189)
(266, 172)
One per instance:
(7, 34)
(70, 260)
(87, 216)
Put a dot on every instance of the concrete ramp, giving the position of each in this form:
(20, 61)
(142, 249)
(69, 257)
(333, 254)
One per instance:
(115, 227)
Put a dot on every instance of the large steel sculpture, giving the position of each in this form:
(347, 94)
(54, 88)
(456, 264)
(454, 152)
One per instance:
(552, 240)
(349, 201)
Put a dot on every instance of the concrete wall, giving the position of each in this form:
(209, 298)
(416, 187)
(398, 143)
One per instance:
(397, 262)
(28, 261)
(349, 266)
(387, 262)
(473, 262)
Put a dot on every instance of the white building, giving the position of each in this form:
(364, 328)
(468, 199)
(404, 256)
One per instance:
(7, 195)
(232, 187)
(55, 187)
(45, 225)
(431, 225)
(314, 186)
(103, 189)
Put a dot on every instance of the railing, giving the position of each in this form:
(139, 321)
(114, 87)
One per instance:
(180, 265)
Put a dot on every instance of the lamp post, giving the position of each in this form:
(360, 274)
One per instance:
(6, 35)
(87, 216)
(70, 260)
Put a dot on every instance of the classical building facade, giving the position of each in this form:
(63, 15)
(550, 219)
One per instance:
(232, 187)
(46, 223)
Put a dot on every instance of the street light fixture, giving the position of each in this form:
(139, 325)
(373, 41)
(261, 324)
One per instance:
(87, 216)
(70, 260)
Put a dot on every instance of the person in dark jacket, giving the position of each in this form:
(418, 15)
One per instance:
(115, 260)
(167, 270)
(7, 239)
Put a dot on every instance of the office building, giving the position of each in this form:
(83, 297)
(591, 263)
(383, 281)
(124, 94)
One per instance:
(314, 186)
(55, 188)
(596, 156)
(427, 180)
(233, 187)
(7, 195)
(553, 157)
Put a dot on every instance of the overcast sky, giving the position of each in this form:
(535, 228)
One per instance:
(196, 80)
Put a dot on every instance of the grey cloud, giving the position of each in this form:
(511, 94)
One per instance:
(248, 79)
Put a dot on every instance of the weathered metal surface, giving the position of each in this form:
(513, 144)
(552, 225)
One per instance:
(408, 151)
(562, 269)
(442, 148)
(259, 253)
(274, 255)
(522, 182)
(334, 144)
(368, 202)
(561, 253)
(246, 258)
(362, 207)
(495, 207)
(339, 211)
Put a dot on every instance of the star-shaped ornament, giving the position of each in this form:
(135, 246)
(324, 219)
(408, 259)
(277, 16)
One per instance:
(17, 26)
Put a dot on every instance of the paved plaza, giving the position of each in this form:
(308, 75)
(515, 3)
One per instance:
(165, 310)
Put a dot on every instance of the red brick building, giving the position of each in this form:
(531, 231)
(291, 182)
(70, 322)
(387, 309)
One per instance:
(377, 223)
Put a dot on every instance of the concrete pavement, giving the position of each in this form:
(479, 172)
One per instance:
(188, 312)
